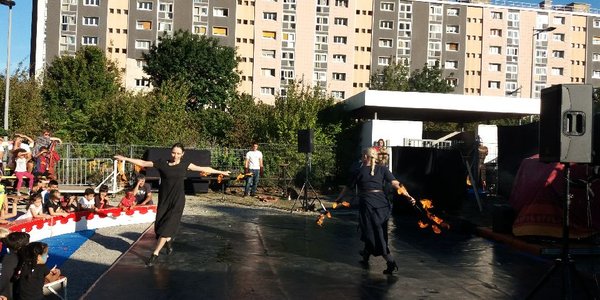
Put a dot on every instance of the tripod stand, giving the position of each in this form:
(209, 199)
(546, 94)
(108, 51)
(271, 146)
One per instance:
(303, 195)
(565, 262)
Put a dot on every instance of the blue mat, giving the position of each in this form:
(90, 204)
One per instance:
(61, 247)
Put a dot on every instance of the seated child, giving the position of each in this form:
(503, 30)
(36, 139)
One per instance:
(33, 272)
(128, 201)
(53, 207)
(68, 203)
(35, 209)
(101, 200)
(86, 203)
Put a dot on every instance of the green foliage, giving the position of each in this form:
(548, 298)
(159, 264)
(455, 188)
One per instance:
(72, 88)
(392, 78)
(25, 105)
(207, 67)
(430, 80)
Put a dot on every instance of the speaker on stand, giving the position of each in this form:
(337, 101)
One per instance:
(566, 136)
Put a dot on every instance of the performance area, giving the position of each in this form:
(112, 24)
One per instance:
(225, 252)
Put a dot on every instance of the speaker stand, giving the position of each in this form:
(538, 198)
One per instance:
(303, 195)
(565, 263)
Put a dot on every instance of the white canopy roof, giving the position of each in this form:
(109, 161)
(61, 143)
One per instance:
(392, 105)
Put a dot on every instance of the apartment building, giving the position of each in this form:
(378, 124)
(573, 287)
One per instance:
(484, 47)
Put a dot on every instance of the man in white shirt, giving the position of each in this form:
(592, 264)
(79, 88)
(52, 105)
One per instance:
(253, 164)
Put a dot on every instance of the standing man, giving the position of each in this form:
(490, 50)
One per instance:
(253, 164)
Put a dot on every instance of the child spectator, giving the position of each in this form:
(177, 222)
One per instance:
(69, 203)
(142, 191)
(52, 185)
(53, 206)
(35, 209)
(14, 242)
(33, 272)
(128, 201)
(21, 171)
(101, 201)
(86, 203)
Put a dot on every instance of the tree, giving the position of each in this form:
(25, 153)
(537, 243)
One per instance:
(210, 69)
(25, 107)
(73, 86)
(430, 80)
(393, 77)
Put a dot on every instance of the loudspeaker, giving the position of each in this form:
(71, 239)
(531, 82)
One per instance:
(566, 124)
(305, 141)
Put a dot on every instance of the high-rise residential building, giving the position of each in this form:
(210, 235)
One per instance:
(485, 47)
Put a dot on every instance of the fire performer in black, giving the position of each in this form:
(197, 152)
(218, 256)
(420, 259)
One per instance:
(171, 194)
(374, 208)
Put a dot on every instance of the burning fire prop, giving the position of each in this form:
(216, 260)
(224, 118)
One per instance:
(326, 213)
(429, 219)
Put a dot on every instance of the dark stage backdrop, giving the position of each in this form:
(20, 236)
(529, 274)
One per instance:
(194, 183)
(435, 174)
(515, 143)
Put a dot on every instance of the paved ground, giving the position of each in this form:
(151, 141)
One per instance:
(248, 253)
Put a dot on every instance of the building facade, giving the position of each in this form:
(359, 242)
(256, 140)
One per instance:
(484, 48)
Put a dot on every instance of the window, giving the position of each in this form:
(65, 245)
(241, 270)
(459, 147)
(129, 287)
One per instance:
(595, 56)
(168, 26)
(269, 35)
(383, 61)
(494, 85)
(90, 21)
(342, 3)
(596, 40)
(558, 37)
(67, 39)
(339, 76)
(596, 74)
(143, 25)
(404, 11)
(596, 23)
(497, 15)
(540, 71)
(493, 67)
(511, 69)
(386, 24)
(142, 44)
(165, 7)
(451, 64)
(385, 43)
(558, 54)
(559, 20)
(513, 19)
(434, 49)
(201, 30)
(557, 71)
(219, 31)
(404, 29)
(340, 21)
(267, 72)
(320, 57)
(220, 12)
(495, 49)
(90, 2)
(287, 55)
(452, 29)
(341, 58)
(144, 5)
(267, 90)
(89, 40)
(142, 82)
(340, 40)
(270, 16)
(288, 40)
(452, 12)
(287, 74)
(338, 94)
(512, 51)
(268, 53)
(140, 63)
(496, 32)
(386, 6)
(451, 46)
(453, 82)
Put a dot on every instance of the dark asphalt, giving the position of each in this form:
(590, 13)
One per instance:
(246, 253)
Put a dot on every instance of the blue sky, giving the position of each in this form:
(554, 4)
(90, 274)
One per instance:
(21, 31)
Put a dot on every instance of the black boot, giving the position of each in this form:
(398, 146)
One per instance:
(365, 257)
(391, 267)
(151, 260)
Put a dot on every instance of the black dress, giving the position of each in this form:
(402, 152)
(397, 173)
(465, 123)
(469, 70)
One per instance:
(31, 286)
(374, 208)
(171, 197)
(9, 264)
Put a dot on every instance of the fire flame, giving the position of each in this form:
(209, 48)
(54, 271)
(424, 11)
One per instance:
(320, 220)
(436, 222)
(343, 203)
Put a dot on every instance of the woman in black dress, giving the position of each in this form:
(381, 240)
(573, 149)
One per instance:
(374, 208)
(171, 195)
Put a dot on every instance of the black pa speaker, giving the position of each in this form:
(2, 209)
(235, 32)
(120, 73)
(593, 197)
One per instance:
(566, 124)
(305, 141)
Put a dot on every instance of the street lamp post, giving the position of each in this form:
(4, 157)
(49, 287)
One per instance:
(536, 34)
(10, 5)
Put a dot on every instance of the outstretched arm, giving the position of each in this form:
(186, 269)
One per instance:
(135, 161)
(403, 191)
(193, 167)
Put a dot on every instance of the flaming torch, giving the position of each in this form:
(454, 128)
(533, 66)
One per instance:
(428, 218)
